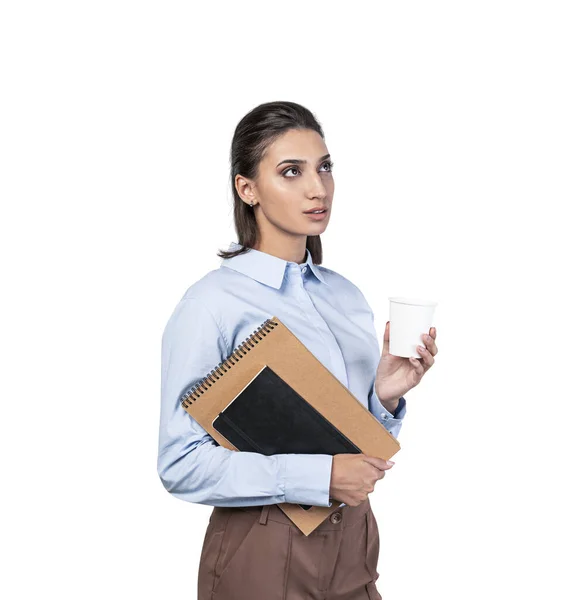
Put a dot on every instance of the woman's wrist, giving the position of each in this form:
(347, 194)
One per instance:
(390, 405)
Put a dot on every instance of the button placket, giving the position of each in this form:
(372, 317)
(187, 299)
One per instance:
(337, 359)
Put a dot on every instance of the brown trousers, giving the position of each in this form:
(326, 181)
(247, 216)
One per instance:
(257, 553)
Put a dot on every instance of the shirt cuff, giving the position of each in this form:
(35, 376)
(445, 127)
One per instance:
(307, 479)
(391, 421)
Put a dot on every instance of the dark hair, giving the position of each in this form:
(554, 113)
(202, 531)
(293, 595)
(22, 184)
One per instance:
(256, 131)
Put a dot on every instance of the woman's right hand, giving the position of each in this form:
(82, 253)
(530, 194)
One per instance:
(354, 476)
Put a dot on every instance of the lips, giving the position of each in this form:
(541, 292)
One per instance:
(314, 209)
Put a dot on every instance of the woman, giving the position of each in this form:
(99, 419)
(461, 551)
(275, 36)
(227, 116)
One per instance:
(281, 173)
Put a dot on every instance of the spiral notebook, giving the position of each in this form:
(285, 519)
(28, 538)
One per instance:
(270, 417)
(273, 396)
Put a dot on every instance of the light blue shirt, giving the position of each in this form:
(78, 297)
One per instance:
(328, 314)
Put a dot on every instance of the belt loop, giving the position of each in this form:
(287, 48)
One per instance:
(264, 514)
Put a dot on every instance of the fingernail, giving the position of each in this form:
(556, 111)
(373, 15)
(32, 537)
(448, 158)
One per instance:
(390, 463)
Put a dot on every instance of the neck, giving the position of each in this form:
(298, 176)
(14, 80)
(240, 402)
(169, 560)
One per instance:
(293, 250)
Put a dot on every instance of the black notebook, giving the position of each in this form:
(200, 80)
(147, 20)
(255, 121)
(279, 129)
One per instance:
(270, 417)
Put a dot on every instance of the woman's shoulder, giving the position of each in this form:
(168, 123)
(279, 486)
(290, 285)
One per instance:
(203, 301)
(210, 288)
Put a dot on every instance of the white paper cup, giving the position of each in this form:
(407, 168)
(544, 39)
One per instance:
(409, 318)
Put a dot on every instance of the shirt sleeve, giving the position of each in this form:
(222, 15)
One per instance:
(191, 465)
(391, 421)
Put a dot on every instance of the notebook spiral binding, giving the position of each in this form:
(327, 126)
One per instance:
(203, 384)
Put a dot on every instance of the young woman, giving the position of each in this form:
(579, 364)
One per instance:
(281, 175)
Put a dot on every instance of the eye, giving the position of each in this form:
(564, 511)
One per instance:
(328, 164)
(290, 169)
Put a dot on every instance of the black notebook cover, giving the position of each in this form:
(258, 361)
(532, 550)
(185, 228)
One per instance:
(270, 417)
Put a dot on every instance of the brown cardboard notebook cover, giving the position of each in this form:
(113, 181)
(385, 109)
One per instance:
(273, 344)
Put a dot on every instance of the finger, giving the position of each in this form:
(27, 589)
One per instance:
(427, 358)
(417, 364)
(385, 350)
(429, 344)
(376, 462)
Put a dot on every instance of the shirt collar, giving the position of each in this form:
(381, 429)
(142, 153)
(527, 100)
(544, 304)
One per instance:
(266, 268)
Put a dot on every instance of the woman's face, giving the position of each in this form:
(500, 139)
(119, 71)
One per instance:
(294, 176)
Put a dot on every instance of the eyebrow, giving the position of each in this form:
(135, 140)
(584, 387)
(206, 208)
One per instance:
(298, 161)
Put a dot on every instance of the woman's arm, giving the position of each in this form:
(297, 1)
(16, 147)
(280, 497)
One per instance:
(191, 465)
(391, 421)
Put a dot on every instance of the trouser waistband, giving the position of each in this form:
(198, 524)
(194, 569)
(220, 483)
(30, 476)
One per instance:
(339, 518)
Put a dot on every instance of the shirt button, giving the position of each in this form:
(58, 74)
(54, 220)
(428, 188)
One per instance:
(383, 416)
(304, 269)
(335, 517)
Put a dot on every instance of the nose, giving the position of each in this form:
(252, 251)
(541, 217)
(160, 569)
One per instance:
(317, 189)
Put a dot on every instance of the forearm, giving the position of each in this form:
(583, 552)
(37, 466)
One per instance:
(216, 476)
(391, 420)
(391, 405)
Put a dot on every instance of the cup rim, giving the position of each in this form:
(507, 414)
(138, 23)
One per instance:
(412, 301)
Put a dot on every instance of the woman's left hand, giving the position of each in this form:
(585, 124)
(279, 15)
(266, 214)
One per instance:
(397, 374)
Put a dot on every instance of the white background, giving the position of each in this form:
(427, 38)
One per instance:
(458, 132)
